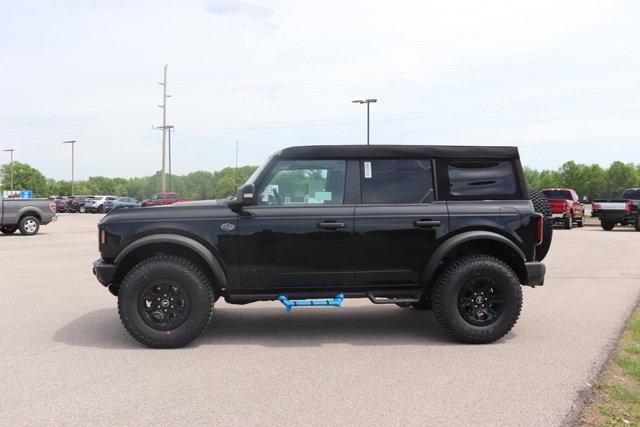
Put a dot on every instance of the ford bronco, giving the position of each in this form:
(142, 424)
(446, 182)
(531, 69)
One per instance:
(425, 227)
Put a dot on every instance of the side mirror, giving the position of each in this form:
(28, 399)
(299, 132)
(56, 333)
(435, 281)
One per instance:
(245, 196)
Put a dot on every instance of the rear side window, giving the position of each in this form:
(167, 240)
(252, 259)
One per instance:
(395, 181)
(631, 194)
(479, 179)
(557, 194)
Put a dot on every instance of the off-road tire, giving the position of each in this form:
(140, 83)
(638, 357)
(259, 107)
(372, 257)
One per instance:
(541, 205)
(607, 226)
(166, 267)
(568, 222)
(29, 225)
(445, 294)
(8, 230)
(580, 222)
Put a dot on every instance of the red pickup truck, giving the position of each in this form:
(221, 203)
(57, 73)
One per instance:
(160, 199)
(565, 206)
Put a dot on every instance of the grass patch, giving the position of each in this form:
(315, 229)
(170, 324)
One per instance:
(617, 393)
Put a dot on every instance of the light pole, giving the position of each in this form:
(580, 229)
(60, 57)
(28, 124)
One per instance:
(73, 143)
(169, 129)
(11, 150)
(366, 101)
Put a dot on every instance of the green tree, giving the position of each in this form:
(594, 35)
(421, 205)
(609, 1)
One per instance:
(619, 177)
(25, 177)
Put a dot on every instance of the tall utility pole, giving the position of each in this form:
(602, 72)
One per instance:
(366, 101)
(73, 184)
(11, 150)
(164, 128)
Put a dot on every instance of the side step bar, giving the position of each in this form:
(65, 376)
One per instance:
(289, 304)
(395, 297)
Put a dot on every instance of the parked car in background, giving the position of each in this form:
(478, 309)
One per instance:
(125, 202)
(160, 199)
(26, 215)
(81, 202)
(96, 205)
(623, 211)
(565, 206)
(60, 203)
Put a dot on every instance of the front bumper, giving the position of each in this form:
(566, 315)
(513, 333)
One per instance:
(535, 273)
(104, 271)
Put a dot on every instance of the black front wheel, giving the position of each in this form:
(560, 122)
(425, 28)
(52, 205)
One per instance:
(165, 301)
(477, 299)
(9, 230)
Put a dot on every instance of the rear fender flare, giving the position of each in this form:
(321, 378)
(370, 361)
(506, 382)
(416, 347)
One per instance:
(454, 242)
(184, 241)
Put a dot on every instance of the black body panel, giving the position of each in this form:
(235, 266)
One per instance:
(255, 251)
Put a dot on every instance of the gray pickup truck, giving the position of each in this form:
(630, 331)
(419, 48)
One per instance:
(26, 215)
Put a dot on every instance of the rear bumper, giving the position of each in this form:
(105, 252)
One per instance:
(104, 271)
(535, 273)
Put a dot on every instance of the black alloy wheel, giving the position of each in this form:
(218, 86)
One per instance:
(163, 305)
(480, 301)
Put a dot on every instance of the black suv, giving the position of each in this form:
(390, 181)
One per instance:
(448, 228)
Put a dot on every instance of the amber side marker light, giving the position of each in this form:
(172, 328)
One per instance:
(103, 237)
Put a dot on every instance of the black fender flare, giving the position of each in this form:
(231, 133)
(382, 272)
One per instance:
(452, 243)
(184, 241)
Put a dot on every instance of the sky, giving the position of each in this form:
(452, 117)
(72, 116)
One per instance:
(558, 79)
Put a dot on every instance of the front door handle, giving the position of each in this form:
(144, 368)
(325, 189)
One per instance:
(331, 225)
(426, 223)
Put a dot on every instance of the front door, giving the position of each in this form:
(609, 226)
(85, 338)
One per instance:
(300, 234)
(398, 223)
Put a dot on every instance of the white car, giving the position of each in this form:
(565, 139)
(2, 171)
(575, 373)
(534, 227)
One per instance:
(97, 204)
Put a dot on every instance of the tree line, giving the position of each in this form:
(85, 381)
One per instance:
(196, 185)
(590, 181)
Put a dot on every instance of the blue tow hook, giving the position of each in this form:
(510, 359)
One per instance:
(289, 304)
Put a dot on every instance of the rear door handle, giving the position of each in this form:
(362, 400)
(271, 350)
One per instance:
(331, 225)
(426, 223)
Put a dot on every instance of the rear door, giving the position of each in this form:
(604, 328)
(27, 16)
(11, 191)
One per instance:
(398, 222)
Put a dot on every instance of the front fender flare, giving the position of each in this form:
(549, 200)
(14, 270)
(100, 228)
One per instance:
(184, 241)
(452, 243)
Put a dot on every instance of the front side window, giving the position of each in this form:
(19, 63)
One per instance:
(396, 181)
(481, 179)
(304, 182)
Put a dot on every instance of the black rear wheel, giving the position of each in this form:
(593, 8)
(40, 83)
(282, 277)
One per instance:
(477, 299)
(541, 205)
(29, 225)
(165, 301)
(607, 225)
(568, 222)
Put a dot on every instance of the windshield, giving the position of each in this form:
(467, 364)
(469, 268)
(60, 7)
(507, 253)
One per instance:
(631, 194)
(557, 194)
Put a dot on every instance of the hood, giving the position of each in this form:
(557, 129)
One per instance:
(182, 210)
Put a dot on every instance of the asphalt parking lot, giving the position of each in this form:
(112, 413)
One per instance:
(65, 358)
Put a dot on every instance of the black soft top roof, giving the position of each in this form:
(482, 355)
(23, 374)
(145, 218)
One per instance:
(398, 151)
